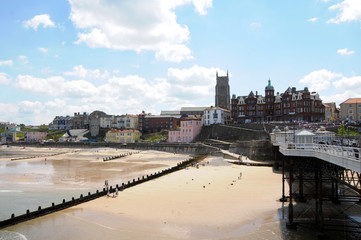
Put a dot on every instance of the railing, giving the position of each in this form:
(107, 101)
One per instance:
(351, 153)
(348, 153)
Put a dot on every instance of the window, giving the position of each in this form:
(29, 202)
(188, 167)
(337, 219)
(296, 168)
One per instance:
(350, 111)
(350, 105)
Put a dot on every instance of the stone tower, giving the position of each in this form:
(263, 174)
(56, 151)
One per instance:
(222, 92)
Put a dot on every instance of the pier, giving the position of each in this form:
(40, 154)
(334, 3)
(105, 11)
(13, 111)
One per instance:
(317, 170)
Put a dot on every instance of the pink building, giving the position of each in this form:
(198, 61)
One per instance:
(189, 129)
(35, 136)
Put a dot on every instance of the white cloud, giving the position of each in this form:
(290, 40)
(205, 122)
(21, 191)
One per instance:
(202, 5)
(313, 19)
(195, 83)
(320, 79)
(81, 72)
(340, 86)
(349, 83)
(255, 25)
(43, 19)
(349, 10)
(6, 63)
(44, 50)
(138, 25)
(345, 51)
(8, 112)
(4, 78)
(24, 59)
(50, 86)
(121, 94)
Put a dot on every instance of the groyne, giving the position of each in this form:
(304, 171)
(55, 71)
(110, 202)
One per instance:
(91, 196)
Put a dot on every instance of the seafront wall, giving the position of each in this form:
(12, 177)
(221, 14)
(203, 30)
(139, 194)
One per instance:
(91, 196)
(255, 150)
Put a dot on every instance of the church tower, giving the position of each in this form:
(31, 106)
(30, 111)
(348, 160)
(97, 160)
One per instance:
(222, 92)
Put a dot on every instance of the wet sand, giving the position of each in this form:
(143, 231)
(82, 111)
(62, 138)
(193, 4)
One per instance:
(40, 181)
(210, 202)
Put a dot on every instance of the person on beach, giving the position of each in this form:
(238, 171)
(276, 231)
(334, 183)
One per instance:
(116, 191)
(106, 184)
(108, 193)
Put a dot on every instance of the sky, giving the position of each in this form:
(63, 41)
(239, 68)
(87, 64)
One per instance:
(125, 56)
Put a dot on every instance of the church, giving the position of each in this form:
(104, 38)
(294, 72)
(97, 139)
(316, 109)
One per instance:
(222, 92)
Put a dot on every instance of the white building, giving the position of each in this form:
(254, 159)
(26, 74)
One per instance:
(216, 115)
(127, 121)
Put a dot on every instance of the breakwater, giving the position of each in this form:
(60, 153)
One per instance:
(91, 196)
(40, 156)
(118, 156)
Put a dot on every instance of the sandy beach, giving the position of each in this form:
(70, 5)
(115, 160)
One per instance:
(213, 201)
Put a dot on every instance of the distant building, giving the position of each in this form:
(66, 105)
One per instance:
(127, 121)
(154, 123)
(216, 115)
(74, 135)
(80, 121)
(189, 129)
(192, 111)
(122, 136)
(351, 110)
(35, 136)
(12, 128)
(171, 112)
(300, 105)
(331, 112)
(222, 92)
(94, 120)
(61, 123)
(6, 137)
(4, 124)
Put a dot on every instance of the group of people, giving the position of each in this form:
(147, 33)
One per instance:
(115, 194)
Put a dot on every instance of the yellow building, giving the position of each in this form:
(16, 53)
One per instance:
(122, 136)
(351, 110)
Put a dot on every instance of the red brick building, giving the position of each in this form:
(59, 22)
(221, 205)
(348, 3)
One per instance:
(154, 123)
(300, 105)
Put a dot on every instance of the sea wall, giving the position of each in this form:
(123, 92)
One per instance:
(255, 149)
(227, 132)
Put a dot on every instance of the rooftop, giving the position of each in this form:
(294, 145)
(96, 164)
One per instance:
(352, 100)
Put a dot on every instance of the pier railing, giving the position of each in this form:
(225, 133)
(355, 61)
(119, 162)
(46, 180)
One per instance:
(344, 156)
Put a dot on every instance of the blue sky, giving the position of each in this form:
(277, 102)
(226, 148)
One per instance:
(125, 56)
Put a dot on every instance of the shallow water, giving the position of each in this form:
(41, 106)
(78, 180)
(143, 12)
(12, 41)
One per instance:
(28, 184)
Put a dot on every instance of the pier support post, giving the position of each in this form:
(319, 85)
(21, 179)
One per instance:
(283, 198)
(301, 197)
(318, 190)
(290, 223)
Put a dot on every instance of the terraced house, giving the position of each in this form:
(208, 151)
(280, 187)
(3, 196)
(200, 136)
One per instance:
(292, 105)
(122, 136)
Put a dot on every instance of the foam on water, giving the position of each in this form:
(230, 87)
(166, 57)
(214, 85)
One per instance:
(7, 235)
(10, 191)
